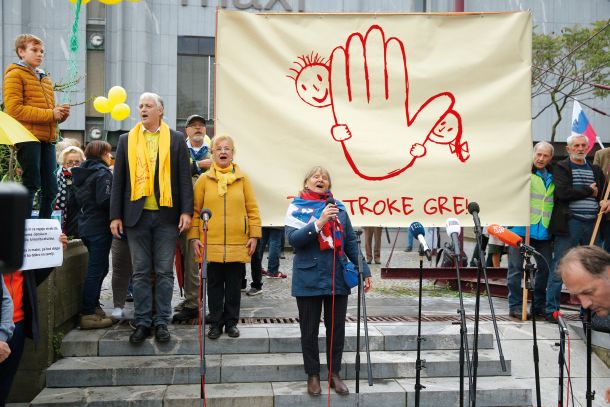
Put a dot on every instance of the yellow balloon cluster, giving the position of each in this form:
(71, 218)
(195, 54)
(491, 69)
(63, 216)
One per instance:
(108, 2)
(113, 104)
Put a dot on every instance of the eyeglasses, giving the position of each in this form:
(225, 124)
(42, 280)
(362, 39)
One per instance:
(73, 163)
(223, 149)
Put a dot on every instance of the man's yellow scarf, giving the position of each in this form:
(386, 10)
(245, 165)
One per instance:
(225, 176)
(142, 183)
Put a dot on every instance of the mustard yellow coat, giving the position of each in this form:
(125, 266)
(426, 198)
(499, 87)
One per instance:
(30, 101)
(235, 217)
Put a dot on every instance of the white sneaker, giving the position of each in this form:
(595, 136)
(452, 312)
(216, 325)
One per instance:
(117, 313)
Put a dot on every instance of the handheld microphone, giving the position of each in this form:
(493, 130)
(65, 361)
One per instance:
(510, 238)
(417, 230)
(562, 323)
(473, 209)
(453, 231)
(331, 201)
(205, 214)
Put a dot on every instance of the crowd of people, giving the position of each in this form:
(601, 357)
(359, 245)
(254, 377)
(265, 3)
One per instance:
(144, 207)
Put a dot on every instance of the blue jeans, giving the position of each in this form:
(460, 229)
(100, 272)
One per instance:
(97, 268)
(410, 238)
(152, 245)
(579, 233)
(273, 236)
(39, 164)
(515, 275)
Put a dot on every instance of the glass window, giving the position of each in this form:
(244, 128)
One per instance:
(195, 86)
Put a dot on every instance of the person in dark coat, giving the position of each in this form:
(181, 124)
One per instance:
(322, 236)
(93, 183)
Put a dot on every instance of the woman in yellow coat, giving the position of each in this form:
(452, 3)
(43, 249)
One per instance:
(233, 230)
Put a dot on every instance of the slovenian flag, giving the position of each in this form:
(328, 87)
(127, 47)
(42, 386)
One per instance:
(581, 125)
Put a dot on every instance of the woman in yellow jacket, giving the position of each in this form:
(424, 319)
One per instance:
(233, 230)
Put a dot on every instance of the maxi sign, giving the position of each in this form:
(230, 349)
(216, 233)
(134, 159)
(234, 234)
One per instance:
(256, 4)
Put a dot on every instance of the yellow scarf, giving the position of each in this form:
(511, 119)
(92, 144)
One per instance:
(142, 183)
(225, 176)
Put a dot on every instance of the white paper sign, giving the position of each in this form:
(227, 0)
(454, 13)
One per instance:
(42, 247)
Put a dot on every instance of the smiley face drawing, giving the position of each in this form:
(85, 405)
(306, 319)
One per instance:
(311, 80)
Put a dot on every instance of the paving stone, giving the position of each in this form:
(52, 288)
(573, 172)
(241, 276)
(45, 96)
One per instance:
(137, 396)
(386, 393)
(81, 342)
(220, 395)
(130, 370)
(445, 392)
(185, 342)
(436, 336)
(265, 367)
(438, 364)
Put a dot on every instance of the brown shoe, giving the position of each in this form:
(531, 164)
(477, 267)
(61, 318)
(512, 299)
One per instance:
(337, 384)
(313, 385)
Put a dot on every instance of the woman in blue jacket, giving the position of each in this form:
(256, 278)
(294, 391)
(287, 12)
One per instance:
(93, 183)
(321, 235)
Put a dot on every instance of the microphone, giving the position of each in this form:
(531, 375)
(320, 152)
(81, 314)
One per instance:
(417, 230)
(473, 209)
(205, 214)
(330, 200)
(562, 323)
(453, 231)
(510, 238)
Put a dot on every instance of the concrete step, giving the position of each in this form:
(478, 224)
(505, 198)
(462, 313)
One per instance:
(266, 339)
(387, 393)
(263, 367)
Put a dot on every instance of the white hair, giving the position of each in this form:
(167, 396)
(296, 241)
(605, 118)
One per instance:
(149, 95)
(570, 139)
(543, 144)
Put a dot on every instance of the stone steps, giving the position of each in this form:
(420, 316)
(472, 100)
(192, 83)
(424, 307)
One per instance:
(265, 339)
(256, 367)
(388, 393)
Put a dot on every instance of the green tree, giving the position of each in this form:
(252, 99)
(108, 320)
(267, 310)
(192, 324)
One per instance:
(560, 75)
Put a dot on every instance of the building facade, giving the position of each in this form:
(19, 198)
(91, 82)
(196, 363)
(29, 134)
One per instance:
(168, 47)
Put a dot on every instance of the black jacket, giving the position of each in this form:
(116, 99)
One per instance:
(566, 193)
(93, 182)
(121, 206)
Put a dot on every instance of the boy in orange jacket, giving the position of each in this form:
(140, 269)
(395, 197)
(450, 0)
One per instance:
(28, 97)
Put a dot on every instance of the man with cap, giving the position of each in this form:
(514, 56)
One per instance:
(198, 144)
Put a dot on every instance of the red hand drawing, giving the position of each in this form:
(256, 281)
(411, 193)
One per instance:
(367, 86)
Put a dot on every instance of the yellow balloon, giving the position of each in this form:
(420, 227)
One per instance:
(83, 2)
(102, 105)
(117, 95)
(110, 2)
(120, 112)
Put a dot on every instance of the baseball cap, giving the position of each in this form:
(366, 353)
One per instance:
(194, 117)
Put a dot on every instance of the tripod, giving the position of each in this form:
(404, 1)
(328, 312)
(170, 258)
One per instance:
(419, 363)
(530, 274)
(362, 299)
(561, 361)
(464, 352)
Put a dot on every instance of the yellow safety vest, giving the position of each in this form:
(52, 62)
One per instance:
(541, 201)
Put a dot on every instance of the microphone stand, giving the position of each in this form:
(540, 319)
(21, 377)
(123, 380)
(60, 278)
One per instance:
(203, 278)
(419, 363)
(530, 274)
(464, 352)
(561, 362)
(362, 300)
(482, 269)
(586, 323)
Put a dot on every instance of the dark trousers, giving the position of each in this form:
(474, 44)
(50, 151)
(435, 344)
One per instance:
(224, 295)
(515, 275)
(8, 368)
(97, 268)
(256, 268)
(309, 321)
(38, 163)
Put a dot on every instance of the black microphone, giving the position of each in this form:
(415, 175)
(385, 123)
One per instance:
(331, 201)
(205, 214)
(418, 231)
(453, 231)
(473, 209)
(562, 323)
